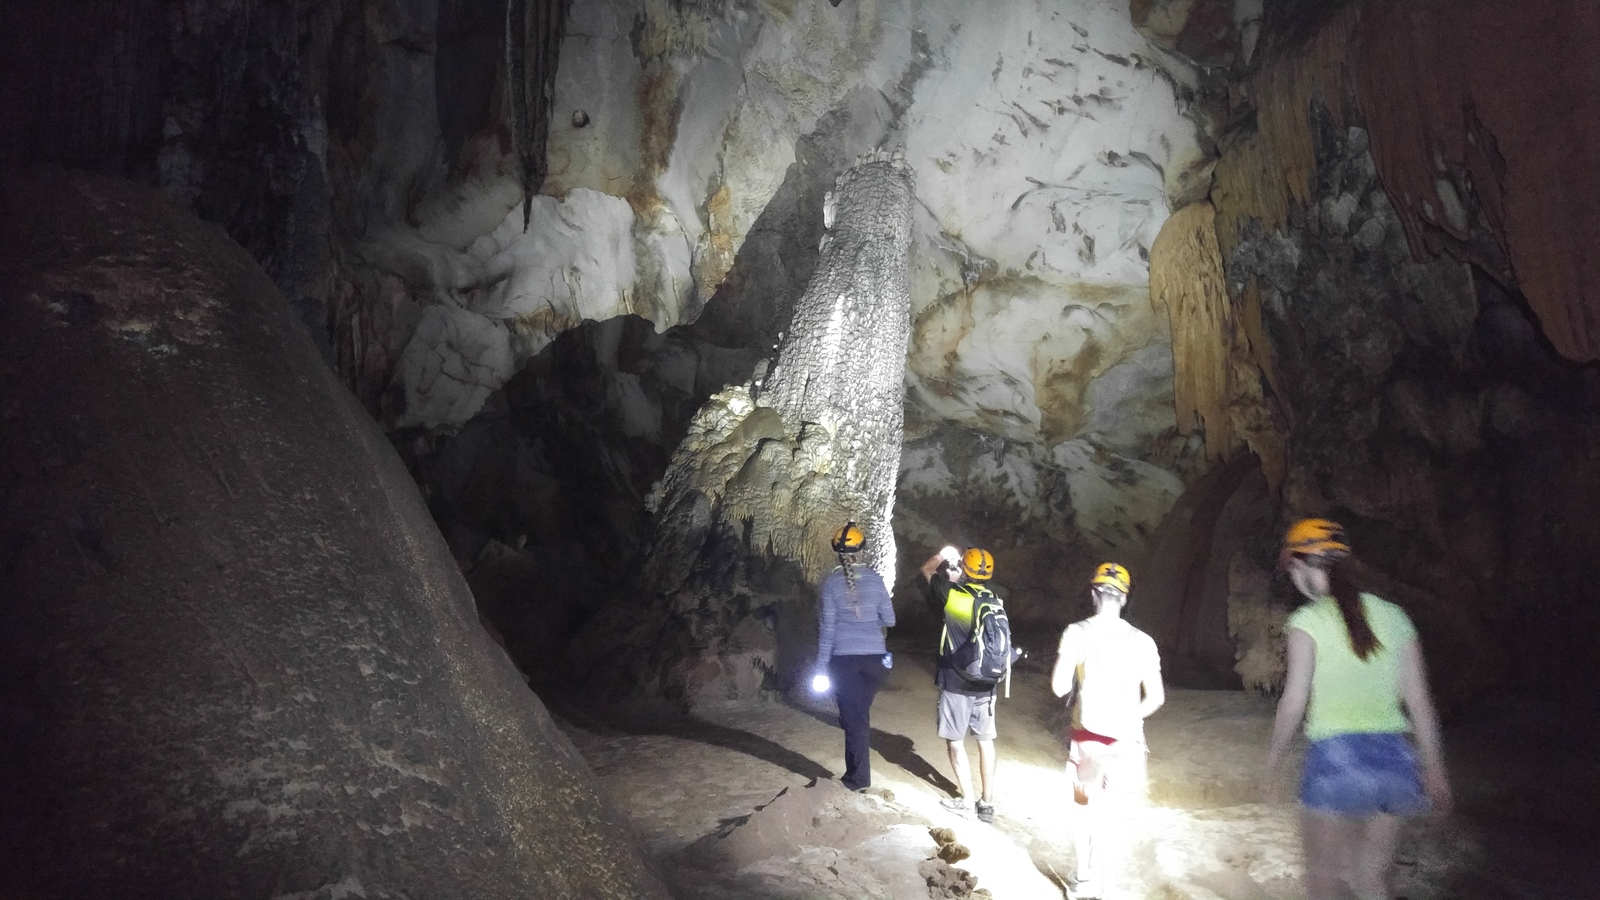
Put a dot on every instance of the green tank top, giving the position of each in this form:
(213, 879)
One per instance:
(1350, 695)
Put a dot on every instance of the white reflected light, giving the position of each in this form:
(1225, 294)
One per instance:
(821, 684)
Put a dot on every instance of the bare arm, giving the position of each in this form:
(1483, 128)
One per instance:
(827, 613)
(1425, 721)
(1155, 693)
(886, 610)
(1296, 693)
(1068, 655)
(931, 566)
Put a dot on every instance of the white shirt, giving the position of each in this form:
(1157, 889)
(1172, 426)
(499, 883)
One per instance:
(1117, 661)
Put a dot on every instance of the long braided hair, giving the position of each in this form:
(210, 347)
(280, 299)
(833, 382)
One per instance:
(847, 558)
(847, 562)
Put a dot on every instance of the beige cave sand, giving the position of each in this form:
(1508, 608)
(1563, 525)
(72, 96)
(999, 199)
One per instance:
(744, 802)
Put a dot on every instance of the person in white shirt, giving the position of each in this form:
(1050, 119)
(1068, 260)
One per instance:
(1111, 673)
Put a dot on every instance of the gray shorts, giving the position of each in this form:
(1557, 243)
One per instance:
(960, 712)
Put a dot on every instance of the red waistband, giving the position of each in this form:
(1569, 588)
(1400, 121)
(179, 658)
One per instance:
(1089, 737)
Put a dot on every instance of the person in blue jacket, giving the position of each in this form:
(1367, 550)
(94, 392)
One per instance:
(853, 614)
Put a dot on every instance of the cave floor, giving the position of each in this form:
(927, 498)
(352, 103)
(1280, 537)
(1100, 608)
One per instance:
(743, 802)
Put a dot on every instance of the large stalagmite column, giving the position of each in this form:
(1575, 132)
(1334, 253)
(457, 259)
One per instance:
(770, 469)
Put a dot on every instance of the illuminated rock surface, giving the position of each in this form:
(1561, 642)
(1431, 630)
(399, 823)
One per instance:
(770, 470)
(692, 113)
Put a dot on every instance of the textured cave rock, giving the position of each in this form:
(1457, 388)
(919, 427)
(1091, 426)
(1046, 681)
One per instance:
(687, 157)
(238, 661)
(355, 149)
(1490, 159)
(768, 470)
(553, 474)
(1507, 120)
(681, 134)
(1182, 594)
(1212, 33)
(1413, 423)
(1049, 514)
(221, 104)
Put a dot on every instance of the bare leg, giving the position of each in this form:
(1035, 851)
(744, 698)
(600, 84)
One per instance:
(958, 763)
(986, 762)
(1084, 829)
(1330, 844)
(1374, 857)
(1086, 824)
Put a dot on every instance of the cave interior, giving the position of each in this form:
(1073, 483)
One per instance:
(424, 421)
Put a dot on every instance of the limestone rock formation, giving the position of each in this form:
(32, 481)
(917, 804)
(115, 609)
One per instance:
(1493, 158)
(675, 129)
(815, 441)
(1188, 596)
(768, 470)
(236, 658)
(1400, 354)
(1049, 515)
(1222, 360)
(1214, 33)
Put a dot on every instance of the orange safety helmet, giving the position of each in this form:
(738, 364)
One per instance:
(1322, 538)
(1114, 575)
(978, 564)
(849, 539)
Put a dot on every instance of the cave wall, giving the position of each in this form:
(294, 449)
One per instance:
(236, 658)
(320, 135)
(1415, 372)
(722, 127)
(373, 158)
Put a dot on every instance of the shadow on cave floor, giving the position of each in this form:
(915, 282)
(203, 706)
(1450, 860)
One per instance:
(689, 728)
(897, 750)
(1526, 779)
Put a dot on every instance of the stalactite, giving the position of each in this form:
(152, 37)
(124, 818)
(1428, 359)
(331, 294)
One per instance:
(1484, 118)
(1266, 171)
(1497, 103)
(1220, 354)
(534, 29)
(1186, 277)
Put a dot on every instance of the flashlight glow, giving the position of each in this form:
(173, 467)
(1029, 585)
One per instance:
(820, 683)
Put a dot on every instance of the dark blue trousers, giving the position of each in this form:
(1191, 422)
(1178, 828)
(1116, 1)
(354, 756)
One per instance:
(856, 680)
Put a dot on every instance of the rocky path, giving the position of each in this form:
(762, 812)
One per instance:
(745, 803)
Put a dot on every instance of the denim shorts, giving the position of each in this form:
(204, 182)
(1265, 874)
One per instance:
(1362, 775)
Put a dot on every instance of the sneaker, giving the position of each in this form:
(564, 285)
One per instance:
(985, 811)
(956, 805)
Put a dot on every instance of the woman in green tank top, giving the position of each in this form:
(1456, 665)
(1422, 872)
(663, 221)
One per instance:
(1357, 680)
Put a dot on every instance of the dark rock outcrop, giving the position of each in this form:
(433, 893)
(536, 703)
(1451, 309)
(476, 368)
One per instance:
(237, 659)
(1404, 373)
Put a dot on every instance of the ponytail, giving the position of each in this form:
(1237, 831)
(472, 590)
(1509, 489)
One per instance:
(1348, 595)
(846, 562)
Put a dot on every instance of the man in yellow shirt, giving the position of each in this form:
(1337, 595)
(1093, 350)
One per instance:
(955, 584)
